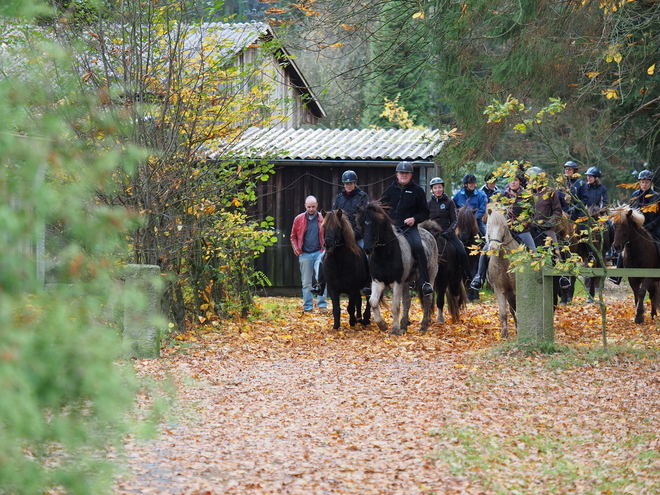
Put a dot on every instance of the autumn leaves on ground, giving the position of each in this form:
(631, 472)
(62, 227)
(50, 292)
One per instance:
(284, 404)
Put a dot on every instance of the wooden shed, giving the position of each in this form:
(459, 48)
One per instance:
(311, 162)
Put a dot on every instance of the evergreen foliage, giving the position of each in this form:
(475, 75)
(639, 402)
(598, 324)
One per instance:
(64, 397)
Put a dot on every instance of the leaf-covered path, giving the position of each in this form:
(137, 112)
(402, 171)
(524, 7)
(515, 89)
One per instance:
(290, 406)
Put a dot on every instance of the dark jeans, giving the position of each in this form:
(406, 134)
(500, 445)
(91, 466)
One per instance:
(412, 236)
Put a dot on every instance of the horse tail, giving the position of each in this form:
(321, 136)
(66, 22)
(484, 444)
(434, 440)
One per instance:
(456, 299)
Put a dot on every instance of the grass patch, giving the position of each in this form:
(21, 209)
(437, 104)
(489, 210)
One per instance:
(546, 461)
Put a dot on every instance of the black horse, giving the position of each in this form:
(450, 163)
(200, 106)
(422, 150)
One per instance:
(449, 281)
(345, 268)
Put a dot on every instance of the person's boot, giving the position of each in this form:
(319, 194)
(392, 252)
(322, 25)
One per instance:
(619, 264)
(427, 289)
(478, 280)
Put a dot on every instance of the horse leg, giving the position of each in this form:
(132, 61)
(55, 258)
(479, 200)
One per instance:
(366, 317)
(405, 310)
(427, 305)
(502, 311)
(336, 308)
(352, 300)
(377, 289)
(397, 295)
(639, 291)
(654, 296)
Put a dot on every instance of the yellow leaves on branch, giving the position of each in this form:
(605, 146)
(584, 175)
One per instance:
(610, 93)
(397, 114)
(651, 70)
(611, 6)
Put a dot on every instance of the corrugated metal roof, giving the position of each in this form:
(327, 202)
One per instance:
(226, 39)
(336, 144)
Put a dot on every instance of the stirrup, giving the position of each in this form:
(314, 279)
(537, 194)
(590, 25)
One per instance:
(564, 283)
(366, 291)
(427, 289)
(615, 280)
(476, 283)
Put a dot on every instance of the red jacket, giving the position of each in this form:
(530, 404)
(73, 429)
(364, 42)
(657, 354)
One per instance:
(298, 232)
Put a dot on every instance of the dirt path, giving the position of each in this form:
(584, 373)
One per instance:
(292, 407)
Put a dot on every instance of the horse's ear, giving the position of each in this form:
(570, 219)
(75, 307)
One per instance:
(339, 214)
(629, 213)
(490, 211)
(322, 212)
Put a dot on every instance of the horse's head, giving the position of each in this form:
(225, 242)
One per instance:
(370, 219)
(497, 229)
(627, 223)
(467, 225)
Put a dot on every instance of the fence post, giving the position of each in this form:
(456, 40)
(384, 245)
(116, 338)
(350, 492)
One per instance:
(142, 311)
(532, 311)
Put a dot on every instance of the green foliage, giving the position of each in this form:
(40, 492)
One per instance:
(64, 396)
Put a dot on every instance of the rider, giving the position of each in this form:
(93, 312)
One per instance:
(443, 211)
(408, 208)
(477, 200)
(573, 185)
(490, 188)
(520, 206)
(646, 200)
(350, 199)
(593, 193)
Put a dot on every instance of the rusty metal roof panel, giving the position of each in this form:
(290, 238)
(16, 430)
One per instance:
(336, 144)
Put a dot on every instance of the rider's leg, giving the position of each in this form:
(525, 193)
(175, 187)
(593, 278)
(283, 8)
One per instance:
(413, 237)
(619, 264)
(528, 240)
(479, 278)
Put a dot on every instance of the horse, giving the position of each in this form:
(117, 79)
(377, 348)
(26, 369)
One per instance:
(639, 251)
(500, 242)
(391, 263)
(578, 244)
(467, 230)
(345, 268)
(449, 280)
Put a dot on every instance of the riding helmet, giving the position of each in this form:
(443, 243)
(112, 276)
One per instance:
(490, 177)
(534, 171)
(349, 176)
(594, 171)
(405, 167)
(571, 164)
(436, 180)
(469, 179)
(645, 174)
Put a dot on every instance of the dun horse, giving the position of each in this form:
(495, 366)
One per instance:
(391, 263)
(345, 268)
(639, 251)
(500, 242)
(449, 280)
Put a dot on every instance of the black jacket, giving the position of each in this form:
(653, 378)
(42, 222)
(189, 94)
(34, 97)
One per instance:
(349, 204)
(405, 202)
(443, 211)
(651, 218)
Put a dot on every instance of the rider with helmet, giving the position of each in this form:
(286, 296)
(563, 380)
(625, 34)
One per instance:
(593, 194)
(490, 188)
(547, 207)
(573, 184)
(476, 199)
(443, 211)
(643, 198)
(646, 200)
(350, 199)
(407, 209)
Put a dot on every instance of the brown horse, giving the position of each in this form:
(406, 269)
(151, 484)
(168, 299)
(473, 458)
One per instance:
(500, 242)
(467, 230)
(639, 251)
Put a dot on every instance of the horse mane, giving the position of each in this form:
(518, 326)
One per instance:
(467, 221)
(620, 216)
(375, 209)
(332, 221)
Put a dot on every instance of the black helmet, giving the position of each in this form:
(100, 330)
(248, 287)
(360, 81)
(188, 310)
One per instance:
(349, 176)
(490, 177)
(436, 180)
(571, 164)
(405, 167)
(595, 171)
(645, 174)
(469, 179)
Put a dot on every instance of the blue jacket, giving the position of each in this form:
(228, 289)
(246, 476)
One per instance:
(594, 195)
(477, 201)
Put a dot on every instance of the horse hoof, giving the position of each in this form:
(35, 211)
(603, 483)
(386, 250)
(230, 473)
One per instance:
(382, 325)
(639, 321)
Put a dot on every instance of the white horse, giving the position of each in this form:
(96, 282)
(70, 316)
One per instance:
(500, 242)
